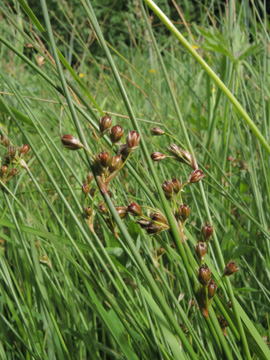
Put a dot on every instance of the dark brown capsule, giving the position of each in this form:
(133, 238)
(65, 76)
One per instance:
(230, 268)
(24, 150)
(133, 139)
(103, 159)
(105, 123)
(167, 187)
(116, 133)
(196, 176)
(207, 232)
(184, 212)
(71, 143)
(116, 163)
(201, 250)
(204, 275)
(124, 151)
(122, 211)
(85, 188)
(212, 288)
(177, 185)
(156, 131)
(157, 156)
(135, 209)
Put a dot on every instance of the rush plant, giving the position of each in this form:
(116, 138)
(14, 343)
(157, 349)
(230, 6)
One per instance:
(139, 231)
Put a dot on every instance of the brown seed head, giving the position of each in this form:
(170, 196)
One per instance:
(29, 46)
(122, 211)
(71, 143)
(223, 324)
(157, 156)
(196, 176)
(116, 133)
(158, 217)
(201, 249)
(88, 211)
(13, 172)
(183, 156)
(92, 191)
(5, 141)
(133, 139)
(4, 169)
(143, 223)
(167, 187)
(212, 288)
(230, 268)
(156, 131)
(103, 159)
(207, 232)
(90, 177)
(24, 150)
(116, 163)
(135, 209)
(184, 212)
(177, 185)
(204, 275)
(105, 123)
(153, 229)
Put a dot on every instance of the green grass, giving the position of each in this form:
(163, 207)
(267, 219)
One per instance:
(71, 286)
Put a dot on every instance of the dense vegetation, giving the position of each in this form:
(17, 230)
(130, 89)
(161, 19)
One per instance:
(134, 180)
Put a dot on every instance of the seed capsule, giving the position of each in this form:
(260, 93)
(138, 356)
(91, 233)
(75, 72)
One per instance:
(71, 143)
(92, 191)
(4, 169)
(207, 232)
(5, 141)
(90, 177)
(161, 251)
(158, 217)
(11, 150)
(105, 123)
(85, 188)
(182, 155)
(157, 156)
(153, 229)
(143, 223)
(103, 159)
(212, 288)
(133, 139)
(223, 324)
(167, 187)
(116, 133)
(24, 150)
(204, 275)
(230, 268)
(184, 212)
(201, 249)
(196, 176)
(124, 151)
(135, 209)
(88, 211)
(116, 163)
(122, 211)
(177, 185)
(157, 131)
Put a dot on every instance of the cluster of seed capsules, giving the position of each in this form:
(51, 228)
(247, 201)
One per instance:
(12, 160)
(105, 165)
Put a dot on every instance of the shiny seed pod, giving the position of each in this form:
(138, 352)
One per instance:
(116, 133)
(122, 211)
(157, 156)
(156, 131)
(133, 139)
(207, 232)
(135, 209)
(4, 169)
(184, 212)
(204, 275)
(167, 187)
(104, 124)
(71, 143)
(230, 268)
(103, 159)
(201, 250)
(24, 150)
(158, 217)
(212, 288)
(196, 176)
(116, 163)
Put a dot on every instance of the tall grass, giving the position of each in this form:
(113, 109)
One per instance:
(77, 280)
